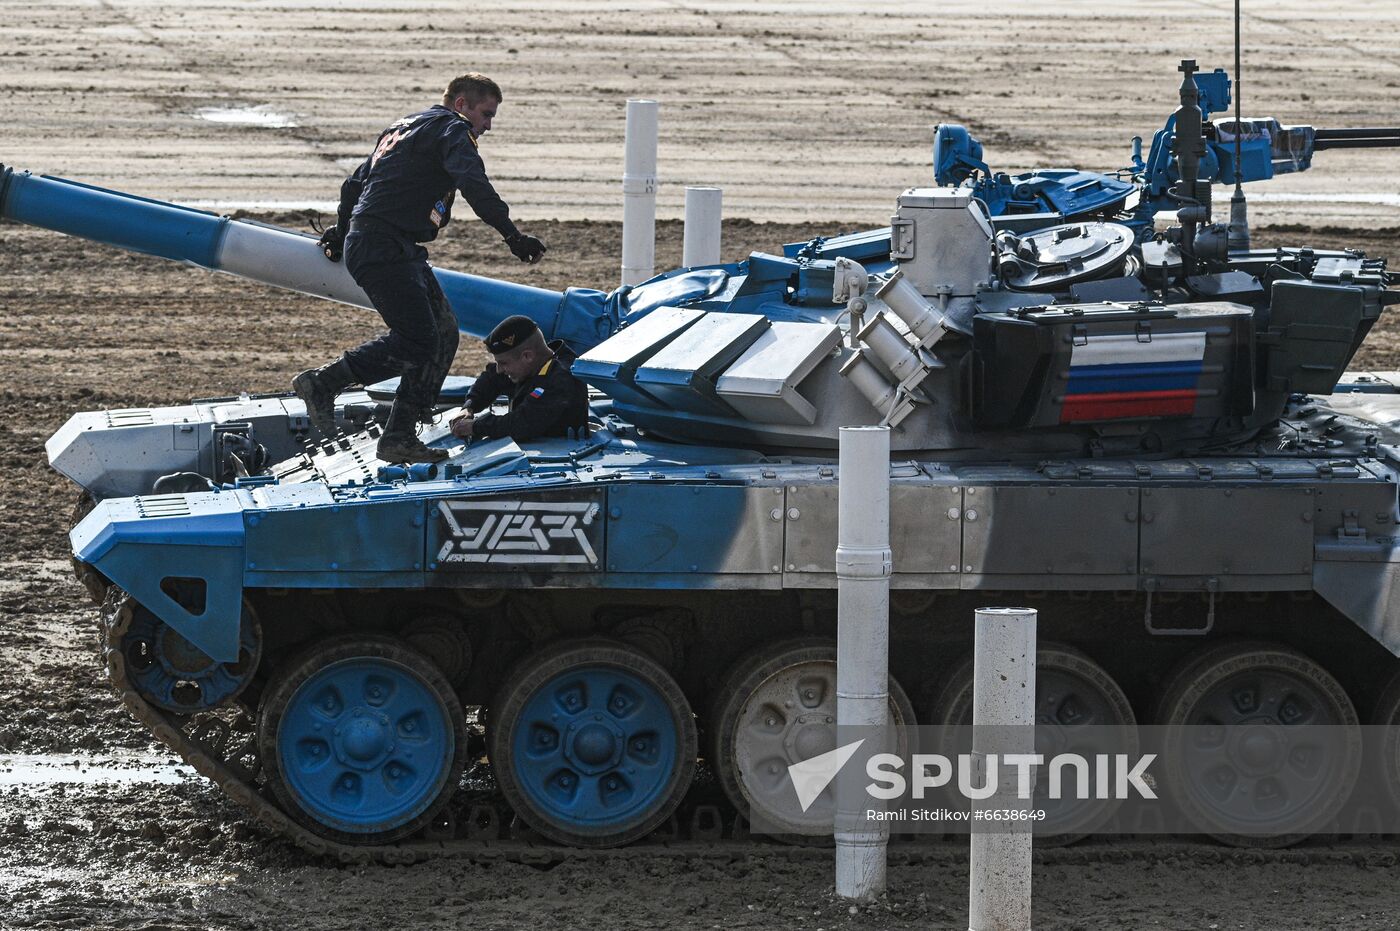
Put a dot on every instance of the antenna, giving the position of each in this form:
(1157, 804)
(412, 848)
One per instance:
(1239, 214)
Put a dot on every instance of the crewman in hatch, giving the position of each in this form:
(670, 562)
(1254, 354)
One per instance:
(545, 398)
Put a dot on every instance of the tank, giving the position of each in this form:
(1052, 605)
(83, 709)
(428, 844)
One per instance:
(1152, 439)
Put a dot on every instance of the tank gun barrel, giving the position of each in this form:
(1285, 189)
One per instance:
(277, 256)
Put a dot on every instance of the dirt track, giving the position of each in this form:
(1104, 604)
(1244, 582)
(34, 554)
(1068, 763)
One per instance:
(801, 90)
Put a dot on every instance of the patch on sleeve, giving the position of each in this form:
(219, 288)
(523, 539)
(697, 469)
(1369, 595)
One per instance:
(537, 393)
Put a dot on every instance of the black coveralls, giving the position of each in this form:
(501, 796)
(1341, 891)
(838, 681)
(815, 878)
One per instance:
(548, 403)
(401, 196)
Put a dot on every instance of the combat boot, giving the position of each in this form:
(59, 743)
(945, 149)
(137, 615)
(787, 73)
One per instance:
(400, 441)
(318, 388)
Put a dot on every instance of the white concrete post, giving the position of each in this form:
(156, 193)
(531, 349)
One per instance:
(639, 193)
(702, 226)
(1003, 717)
(863, 565)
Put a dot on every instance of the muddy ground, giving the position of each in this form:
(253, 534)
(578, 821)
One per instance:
(812, 112)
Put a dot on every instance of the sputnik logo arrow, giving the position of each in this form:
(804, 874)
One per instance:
(811, 777)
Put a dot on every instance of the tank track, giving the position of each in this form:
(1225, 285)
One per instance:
(226, 754)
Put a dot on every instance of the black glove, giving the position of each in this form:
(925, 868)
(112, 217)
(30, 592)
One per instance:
(526, 248)
(332, 243)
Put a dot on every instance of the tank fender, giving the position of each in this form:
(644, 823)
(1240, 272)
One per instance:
(143, 543)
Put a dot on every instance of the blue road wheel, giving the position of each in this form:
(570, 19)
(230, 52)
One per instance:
(592, 743)
(362, 739)
(172, 673)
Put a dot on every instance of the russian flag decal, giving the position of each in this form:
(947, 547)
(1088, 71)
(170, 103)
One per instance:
(537, 393)
(1111, 377)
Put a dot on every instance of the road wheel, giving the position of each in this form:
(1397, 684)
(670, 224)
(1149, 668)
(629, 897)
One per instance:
(777, 708)
(592, 743)
(361, 739)
(1079, 708)
(1263, 746)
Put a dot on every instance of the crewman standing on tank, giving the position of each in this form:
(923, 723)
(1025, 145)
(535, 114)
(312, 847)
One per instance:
(545, 397)
(402, 196)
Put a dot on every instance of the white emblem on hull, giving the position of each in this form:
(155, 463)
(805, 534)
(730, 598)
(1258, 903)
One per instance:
(517, 532)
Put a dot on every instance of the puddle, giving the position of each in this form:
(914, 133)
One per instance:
(228, 206)
(1378, 199)
(30, 769)
(261, 115)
